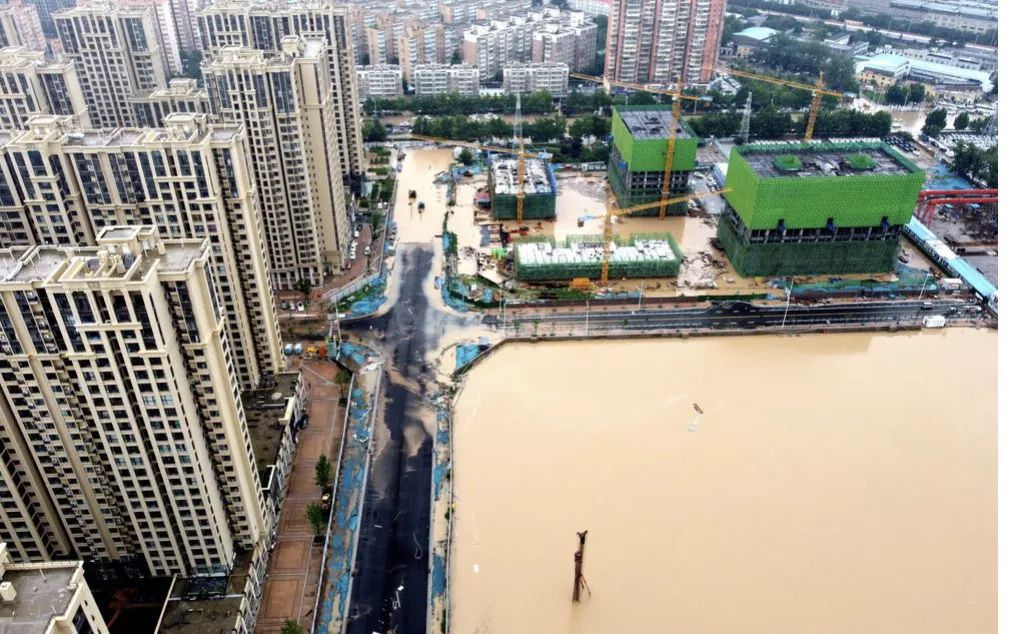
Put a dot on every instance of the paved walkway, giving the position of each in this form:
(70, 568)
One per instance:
(293, 571)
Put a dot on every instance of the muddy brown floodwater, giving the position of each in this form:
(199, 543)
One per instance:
(832, 483)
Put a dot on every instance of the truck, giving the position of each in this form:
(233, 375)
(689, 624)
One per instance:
(933, 321)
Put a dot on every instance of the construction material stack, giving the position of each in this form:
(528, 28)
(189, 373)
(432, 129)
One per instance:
(817, 208)
(540, 259)
(639, 153)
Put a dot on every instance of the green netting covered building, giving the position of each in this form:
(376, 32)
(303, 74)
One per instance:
(540, 189)
(817, 208)
(639, 154)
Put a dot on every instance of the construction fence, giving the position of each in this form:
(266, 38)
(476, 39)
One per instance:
(642, 255)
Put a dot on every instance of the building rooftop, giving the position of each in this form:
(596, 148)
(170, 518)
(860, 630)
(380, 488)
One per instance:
(893, 63)
(43, 591)
(536, 180)
(758, 33)
(264, 411)
(207, 605)
(650, 124)
(823, 159)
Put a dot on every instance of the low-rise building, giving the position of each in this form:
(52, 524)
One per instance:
(527, 78)
(444, 79)
(380, 81)
(751, 38)
(884, 69)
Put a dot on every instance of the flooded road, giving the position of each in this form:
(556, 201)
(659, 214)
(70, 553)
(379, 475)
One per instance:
(832, 483)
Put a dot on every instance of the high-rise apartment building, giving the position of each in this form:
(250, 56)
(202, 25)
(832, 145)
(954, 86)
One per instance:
(117, 53)
(663, 41)
(20, 26)
(443, 79)
(168, 33)
(117, 382)
(30, 85)
(262, 25)
(527, 78)
(182, 95)
(547, 35)
(380, 81)
(282, 101)
(61, 185)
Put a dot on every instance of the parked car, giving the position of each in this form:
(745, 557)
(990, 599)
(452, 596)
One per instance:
(298, 348)
(288, 348)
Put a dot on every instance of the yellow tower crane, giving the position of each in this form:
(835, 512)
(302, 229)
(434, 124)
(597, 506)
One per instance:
(521, 155)
(817, 91)
(675, 111)
(613, 211)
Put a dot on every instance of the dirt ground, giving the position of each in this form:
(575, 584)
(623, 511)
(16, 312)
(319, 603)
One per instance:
(293, 571)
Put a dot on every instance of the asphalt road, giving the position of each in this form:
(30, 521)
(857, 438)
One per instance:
(390, 588)
(735, 315)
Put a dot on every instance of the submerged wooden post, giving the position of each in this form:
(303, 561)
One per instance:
(578, 582)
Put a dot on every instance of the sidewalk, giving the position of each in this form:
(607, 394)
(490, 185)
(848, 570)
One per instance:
(293, 570)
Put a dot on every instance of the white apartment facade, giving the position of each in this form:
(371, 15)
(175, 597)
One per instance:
(527, 78)
(380, 81)
(134, 418)
(282, 102)
(444, 79)
(30, 85)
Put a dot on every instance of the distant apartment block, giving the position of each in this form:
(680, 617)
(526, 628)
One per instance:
(117, 52)
(527, 78)
(663, 41)
(30, 85)
(282, 102)
(380, 81)
(20, 26)
(547, 35)
(47, 597)
(191, 180)
(262, 25)
(591, 7)
(182, 95)
(133, 423)
(421, 43)
(444, 79)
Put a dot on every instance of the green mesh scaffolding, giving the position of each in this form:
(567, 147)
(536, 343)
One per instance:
(529, 271)
(806, 258)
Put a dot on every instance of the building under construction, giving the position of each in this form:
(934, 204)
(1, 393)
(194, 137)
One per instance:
(639, 156)
(541, 259)
(817, 208)
(539, 187)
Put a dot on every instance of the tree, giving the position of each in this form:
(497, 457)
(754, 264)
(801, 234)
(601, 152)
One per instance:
(640, 98)
(962, 121)
(917, 93)
(324, 473)
(937, 117)
(466, 157)
(291, 626)
(305, 286)
(896, 94)
(316, 515)
(976, 164)
(373, 131)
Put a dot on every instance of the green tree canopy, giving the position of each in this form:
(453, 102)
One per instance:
(373, 131)
(324, 473)
(316, 515)
(962, 121)
(466, 157)
(291, 626)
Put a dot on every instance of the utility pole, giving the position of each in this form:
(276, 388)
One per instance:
(789, 293)
(578, 582)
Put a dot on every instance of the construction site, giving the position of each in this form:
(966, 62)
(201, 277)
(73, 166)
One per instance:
(539, 189)
(817, 208)
(637, 165)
